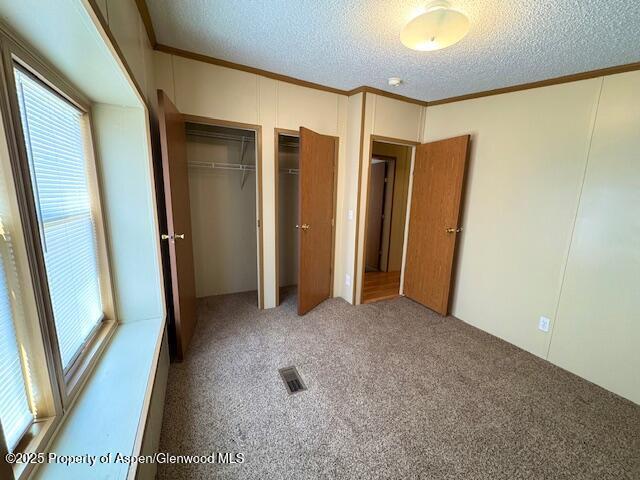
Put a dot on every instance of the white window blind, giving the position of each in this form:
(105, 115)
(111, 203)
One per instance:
(55, 141)
(15, 415)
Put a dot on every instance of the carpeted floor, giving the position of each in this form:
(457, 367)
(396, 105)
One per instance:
(394, 392)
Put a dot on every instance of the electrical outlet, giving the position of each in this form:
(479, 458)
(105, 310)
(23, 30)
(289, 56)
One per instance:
(347, 280)
(350, 214)
(543, 324)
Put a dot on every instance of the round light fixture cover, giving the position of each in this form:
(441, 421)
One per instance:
(438, 27)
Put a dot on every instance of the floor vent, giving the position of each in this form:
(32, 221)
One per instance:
(292, 380)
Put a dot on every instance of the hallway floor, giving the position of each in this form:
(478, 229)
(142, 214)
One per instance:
(394, 392)
(380, 286)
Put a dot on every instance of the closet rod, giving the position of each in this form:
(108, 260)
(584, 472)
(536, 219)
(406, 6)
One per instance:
(223, 166)
(237, 166)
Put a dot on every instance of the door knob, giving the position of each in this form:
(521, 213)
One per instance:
(454, 230)
(164, 236)
(304, 226)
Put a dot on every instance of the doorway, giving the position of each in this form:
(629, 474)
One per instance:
(386, 213)
(287, 193)
(202, 157)
(306, 175)
(224, 193)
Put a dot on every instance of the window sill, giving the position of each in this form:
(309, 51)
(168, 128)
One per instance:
(109, 412)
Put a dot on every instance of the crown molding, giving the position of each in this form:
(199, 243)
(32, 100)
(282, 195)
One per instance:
(629, 67)
(384, 93)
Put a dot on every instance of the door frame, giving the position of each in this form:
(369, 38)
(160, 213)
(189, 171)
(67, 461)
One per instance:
(276, 161)
(257, 129)
(360, 253)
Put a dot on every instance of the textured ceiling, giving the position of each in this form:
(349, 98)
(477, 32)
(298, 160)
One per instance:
(347, 44)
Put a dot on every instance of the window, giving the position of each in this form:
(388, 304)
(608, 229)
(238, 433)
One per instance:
(55, 138)
(56, 300)
(15, 414)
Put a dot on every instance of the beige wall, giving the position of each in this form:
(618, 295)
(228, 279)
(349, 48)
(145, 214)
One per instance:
(223, 214)
(537, 167)
(348, 179)
(207, 90)
(597, 331)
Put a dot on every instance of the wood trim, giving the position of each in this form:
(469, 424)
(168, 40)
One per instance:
(394, 141)
(245, 68)
(384, 93)
(358, 195)
(365, 211)
(276, 161)
(362, 253)
(629, 67)
(146, 20)
(260, 219)
(259, 210)
(335, 211)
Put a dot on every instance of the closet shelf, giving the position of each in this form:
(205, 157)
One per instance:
(237, 166)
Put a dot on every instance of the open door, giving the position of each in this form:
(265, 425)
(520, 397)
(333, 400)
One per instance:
(438, 181)
(176, 189)
(375, 212)
(315, 218)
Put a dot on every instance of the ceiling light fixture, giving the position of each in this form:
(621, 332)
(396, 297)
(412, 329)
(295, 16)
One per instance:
(439, 26)
(395, 81)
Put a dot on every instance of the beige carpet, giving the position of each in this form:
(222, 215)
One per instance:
(394, 392)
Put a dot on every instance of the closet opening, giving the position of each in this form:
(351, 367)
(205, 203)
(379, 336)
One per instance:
(224, 191)
(287, 163)
(386, 214)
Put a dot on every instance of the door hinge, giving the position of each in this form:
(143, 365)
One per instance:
(258, 223)
(333, 222)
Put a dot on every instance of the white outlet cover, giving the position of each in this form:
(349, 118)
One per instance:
(544, 323)
(347, 280)
(350, 214)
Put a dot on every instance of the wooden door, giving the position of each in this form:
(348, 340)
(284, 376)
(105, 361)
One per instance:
(315, 218)
(387, 215)
(176, 189)
(374, 215)
(438, 181)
